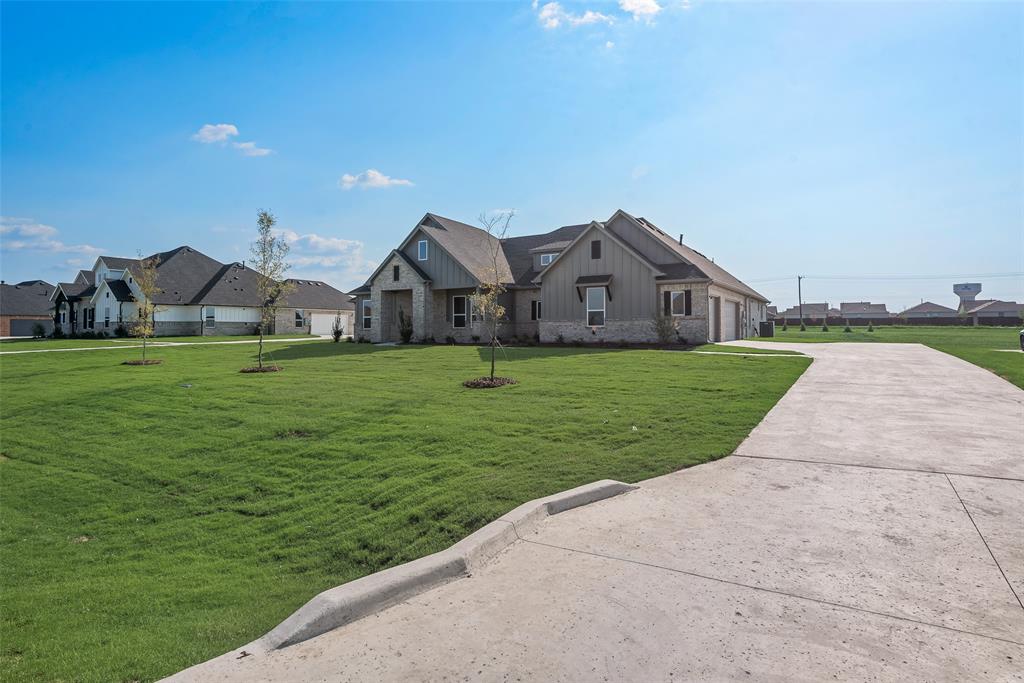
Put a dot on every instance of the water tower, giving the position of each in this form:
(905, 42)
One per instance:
(967, 291)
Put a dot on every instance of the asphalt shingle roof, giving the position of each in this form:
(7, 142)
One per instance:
(852, 307)
(929, 307)
(31, 297)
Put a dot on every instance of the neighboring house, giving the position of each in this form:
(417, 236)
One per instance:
(199, 296)
(991, 310)
(593, 282)
(863, 310)
(927, 309)
(773, 312)
(811, 312)
(23, 306)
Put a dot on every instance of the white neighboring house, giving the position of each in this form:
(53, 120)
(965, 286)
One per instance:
(200, 296)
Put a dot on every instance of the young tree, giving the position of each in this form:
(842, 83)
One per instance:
(486, 298)
(269, 256)
(337, 328)
(145, 310)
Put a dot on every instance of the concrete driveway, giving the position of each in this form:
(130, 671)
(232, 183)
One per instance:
(871, 528)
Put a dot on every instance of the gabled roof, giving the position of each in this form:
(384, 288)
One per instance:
(31, 297)
(184, 274)
(519, 250)
(929, 307)
(470, 246)
(855, 307)
(318, 295)
(600, 227)
(996, 306)
(85, 277)
(715, 273)
(120, 290)
(405, 259)
(118, 263)
(810, 311)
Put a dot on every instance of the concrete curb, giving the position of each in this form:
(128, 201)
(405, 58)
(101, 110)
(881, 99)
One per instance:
(349, 602)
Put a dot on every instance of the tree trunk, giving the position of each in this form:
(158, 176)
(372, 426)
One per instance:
(143, 350)
(494, 341)
(259, 354)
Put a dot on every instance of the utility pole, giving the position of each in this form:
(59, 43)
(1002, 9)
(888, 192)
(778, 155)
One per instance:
(800, 297)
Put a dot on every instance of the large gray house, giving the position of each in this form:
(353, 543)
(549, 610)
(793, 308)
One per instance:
(199, 296)
(603, 281)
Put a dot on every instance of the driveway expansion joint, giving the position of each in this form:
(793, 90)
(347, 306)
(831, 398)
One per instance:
(983, 540)
(877, 467)
(739, 584)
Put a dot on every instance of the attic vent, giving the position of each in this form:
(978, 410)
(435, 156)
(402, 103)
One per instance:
(317, 284)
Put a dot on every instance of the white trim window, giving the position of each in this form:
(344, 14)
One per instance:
(680, 303)
(422, 250)
(459, 311)
(106, 316)
(546, 259)
(211, 316)
(367, 314)
(300, 317)
(595, 306)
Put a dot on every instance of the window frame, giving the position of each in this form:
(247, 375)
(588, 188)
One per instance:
(366, 310)
(604, 306)
(423, 250)
(396, 273)
(300, 318)
(549, 257)
(687, 303)
(106, 316)
(465, 312)
(535, 309)
(210, 316)
(595, 250)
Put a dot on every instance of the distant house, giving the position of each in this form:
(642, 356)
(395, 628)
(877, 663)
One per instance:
(991, 310)
(773, 312)
(23, 306)
(863, 310)
(811, 312)
(199, 296)
(928, 309)
(602, 281)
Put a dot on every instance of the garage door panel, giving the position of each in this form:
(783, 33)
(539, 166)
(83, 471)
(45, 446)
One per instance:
(730, 311)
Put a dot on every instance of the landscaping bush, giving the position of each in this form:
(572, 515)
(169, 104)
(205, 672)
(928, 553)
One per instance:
(38, 331)
(871, 327)
(449, 340)
(559, 339)
(337, 328)
(120, 331)
(785, 327)
(847, 328)
(404, 326)
(664, 329)
(824, 327)
(803, 328)
(58, 333)
(475, 338)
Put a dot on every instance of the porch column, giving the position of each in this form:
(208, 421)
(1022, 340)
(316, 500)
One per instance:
(422, 310)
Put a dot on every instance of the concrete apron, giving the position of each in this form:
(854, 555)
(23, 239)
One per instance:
(834, 545)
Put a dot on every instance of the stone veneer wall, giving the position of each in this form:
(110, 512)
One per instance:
(692, 328)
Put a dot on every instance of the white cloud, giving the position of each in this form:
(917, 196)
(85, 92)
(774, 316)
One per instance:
(640, 171)
(250, 149)
(24, 234)
(552, 15)
(609, 45)
(215, 132)
(330, 259)
(640, 9)
(370, 178)
(222, 133)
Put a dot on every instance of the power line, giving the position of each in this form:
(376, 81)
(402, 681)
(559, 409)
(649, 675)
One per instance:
(890, 278)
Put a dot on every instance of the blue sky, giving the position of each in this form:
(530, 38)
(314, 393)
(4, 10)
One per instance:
(869, 140)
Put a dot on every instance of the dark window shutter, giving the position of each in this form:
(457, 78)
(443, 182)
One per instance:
(668, 303)
(595, 249)
(689, 303)
(533, 310)
(395, 273)
(539, 314)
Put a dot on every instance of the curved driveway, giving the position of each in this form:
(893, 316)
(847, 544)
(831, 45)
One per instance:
(870, 528)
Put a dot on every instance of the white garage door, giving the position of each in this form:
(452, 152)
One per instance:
(321, 323)
(730, 312)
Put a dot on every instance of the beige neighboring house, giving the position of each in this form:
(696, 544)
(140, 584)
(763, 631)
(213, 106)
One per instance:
(200, 296)
(927, 309)
(603, 281)
(981, 311)
(862, 310)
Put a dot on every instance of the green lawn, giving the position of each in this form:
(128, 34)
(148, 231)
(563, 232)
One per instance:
(726, 348)
(40, 344)
(146, 525)
(978, 345)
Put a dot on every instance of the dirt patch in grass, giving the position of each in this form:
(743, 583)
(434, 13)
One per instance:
(81, 539)
(148, 361)
(265, 368)
(488, 383)
(294, 434)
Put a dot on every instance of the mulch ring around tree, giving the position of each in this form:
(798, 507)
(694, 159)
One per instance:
(488, 383)
(265, 368)
(148, 361)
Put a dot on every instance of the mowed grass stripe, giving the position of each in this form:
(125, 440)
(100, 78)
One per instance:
(145, 526)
